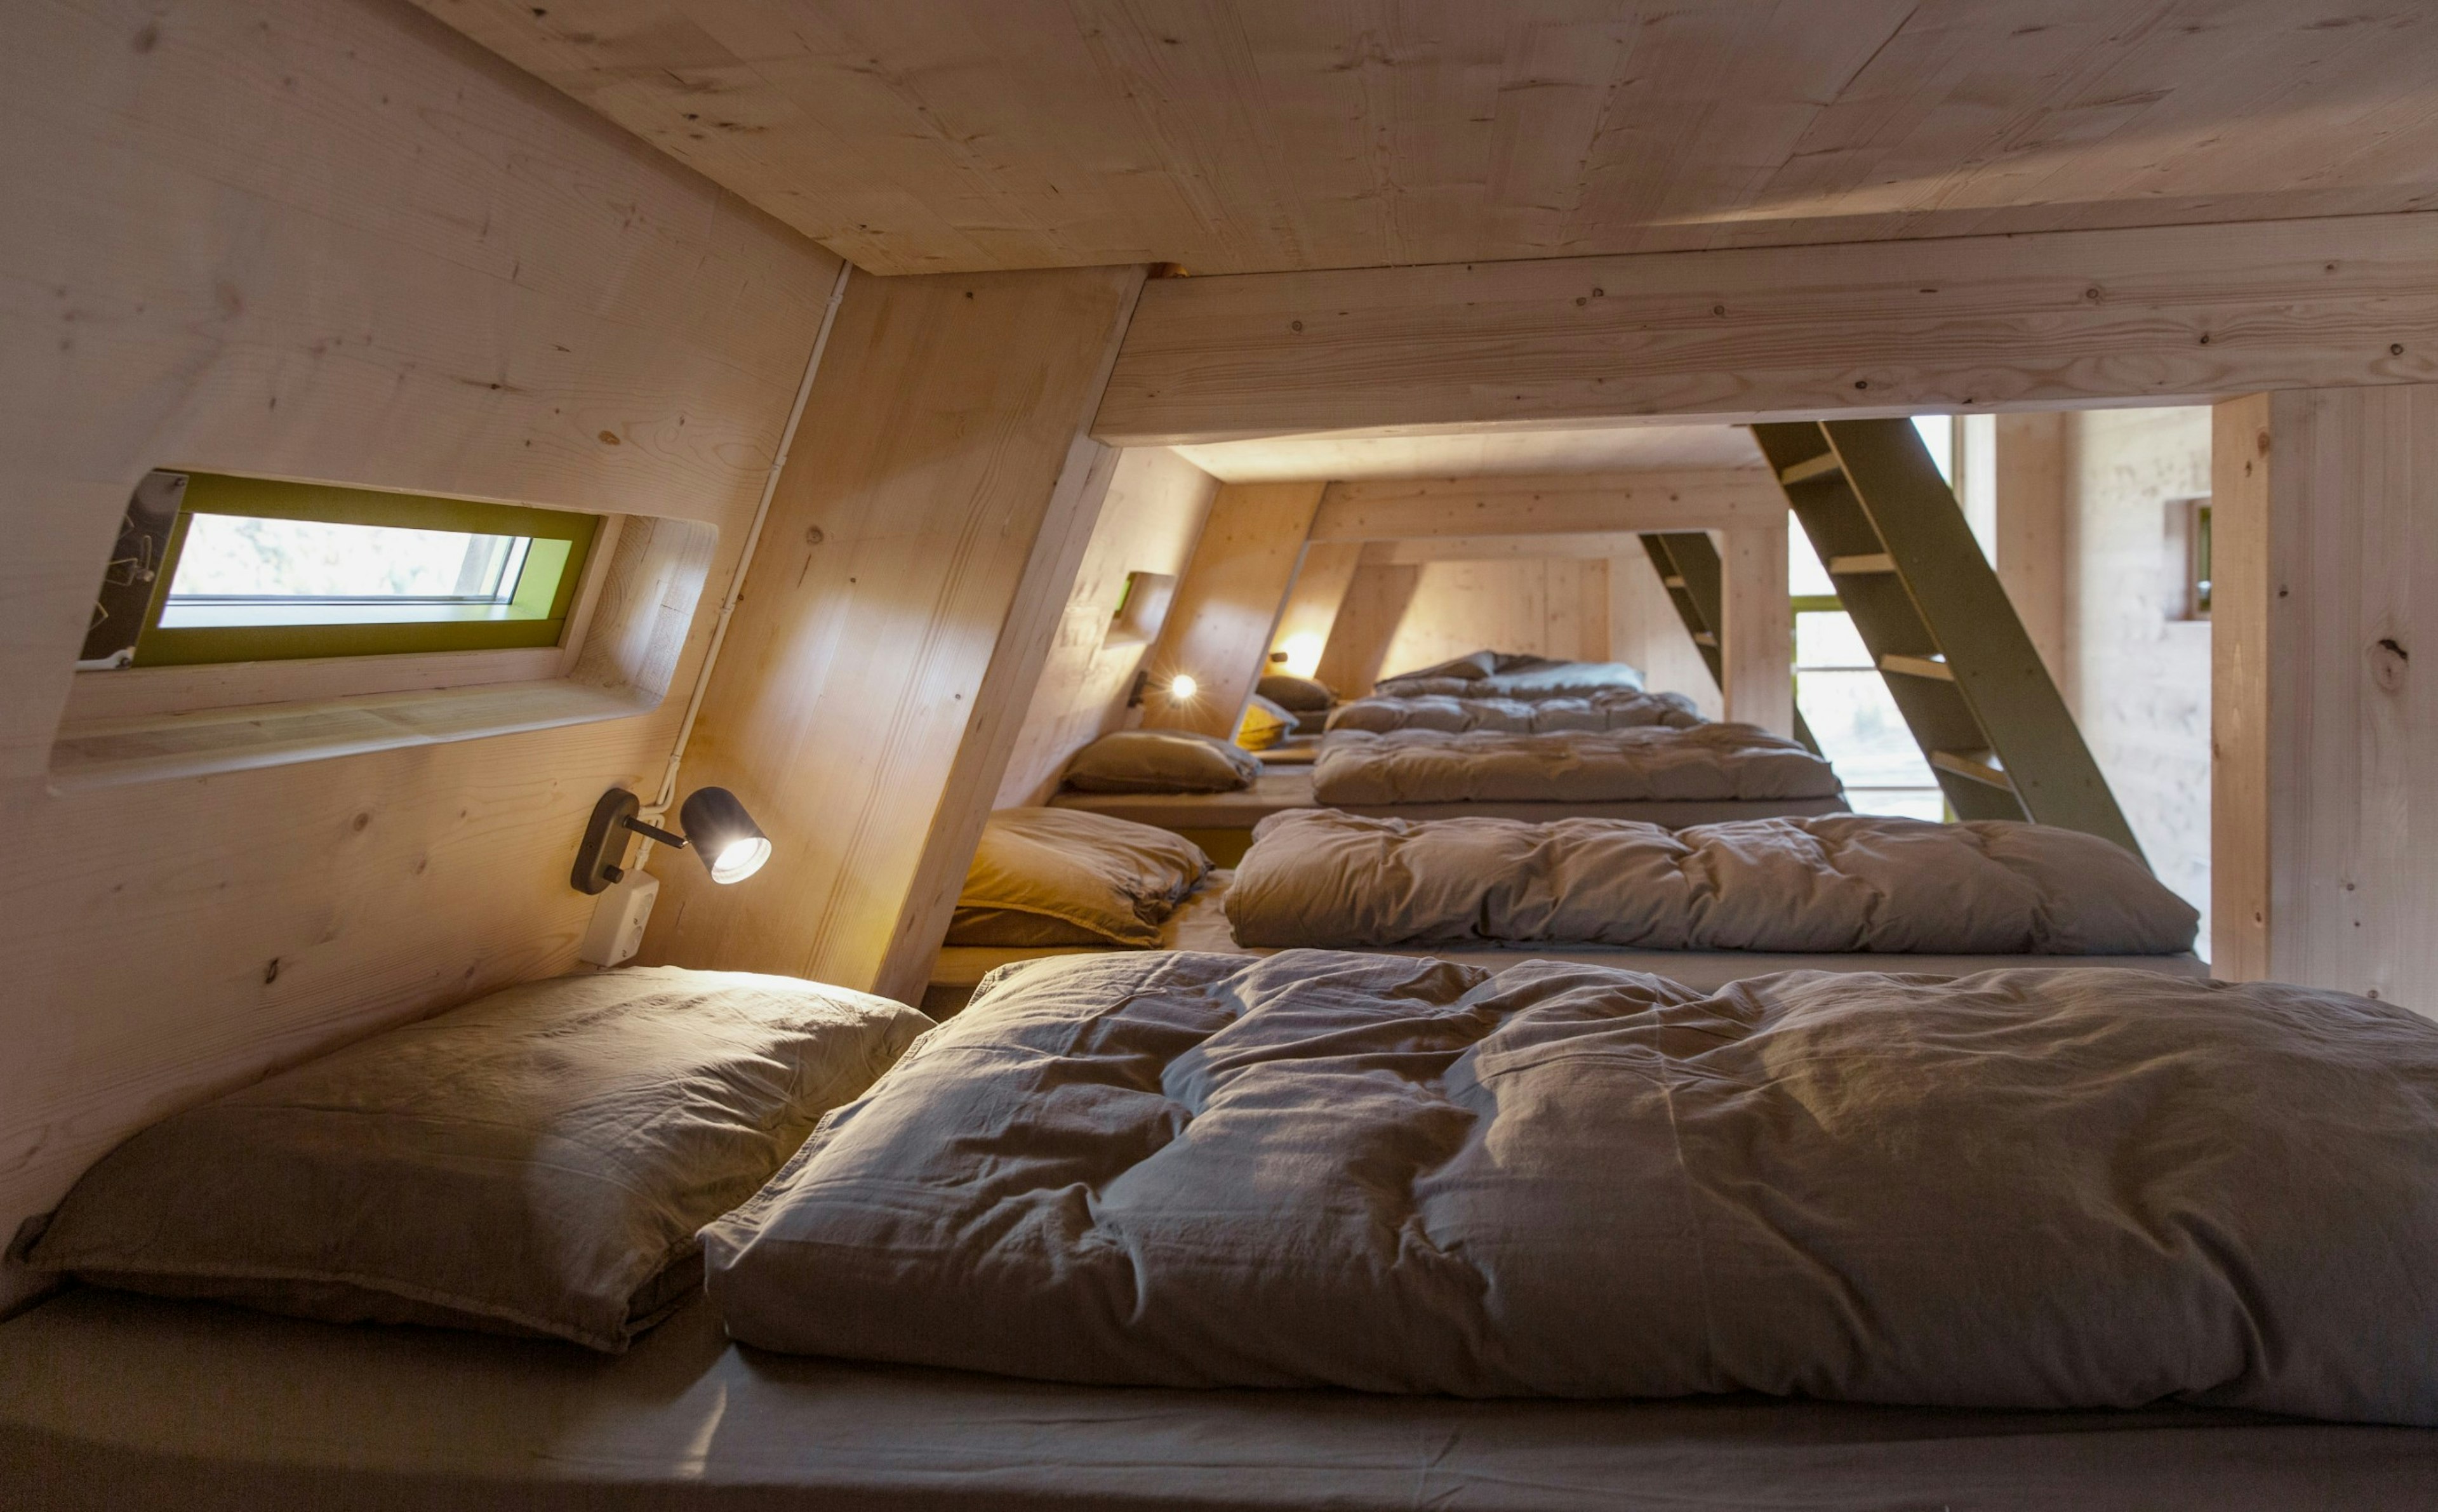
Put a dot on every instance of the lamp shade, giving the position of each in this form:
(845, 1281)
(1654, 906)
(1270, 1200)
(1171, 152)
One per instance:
(717, 829)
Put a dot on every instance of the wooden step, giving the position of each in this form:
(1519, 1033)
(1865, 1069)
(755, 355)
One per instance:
(1704, 638)
(1857, 566)
(1917, 667)
(1809, 468)
(1971, 767)
(1671, 582)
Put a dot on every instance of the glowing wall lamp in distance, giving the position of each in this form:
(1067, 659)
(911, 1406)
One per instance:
(715, 826)
(1302, 653)
(1182, 688)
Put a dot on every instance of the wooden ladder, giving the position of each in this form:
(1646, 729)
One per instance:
(1930, 610)
(1687, 563)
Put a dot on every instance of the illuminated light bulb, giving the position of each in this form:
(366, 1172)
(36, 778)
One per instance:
(740, 859)
(1304, 654)
(1182, 688)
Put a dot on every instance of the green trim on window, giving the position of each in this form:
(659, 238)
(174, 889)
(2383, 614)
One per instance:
(1818, 603)
(562, 540)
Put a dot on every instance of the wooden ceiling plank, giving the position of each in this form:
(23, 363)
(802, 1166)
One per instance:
(2056, 319)
(967, 135)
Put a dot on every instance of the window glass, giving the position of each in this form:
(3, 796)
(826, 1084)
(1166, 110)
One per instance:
(258, 570)
(1846, 703)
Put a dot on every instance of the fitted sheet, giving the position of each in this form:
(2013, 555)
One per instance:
(110, 1403)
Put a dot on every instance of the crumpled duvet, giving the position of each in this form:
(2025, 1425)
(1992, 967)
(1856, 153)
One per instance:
(1626, 708)
(1511, 675)
(1842, 882)
(2024, 1189)
(1707, 762)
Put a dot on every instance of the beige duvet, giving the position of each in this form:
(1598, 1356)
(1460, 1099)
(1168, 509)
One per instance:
(2040, 1189)
(1625, 709)
(1708, 762)
(1842, 882)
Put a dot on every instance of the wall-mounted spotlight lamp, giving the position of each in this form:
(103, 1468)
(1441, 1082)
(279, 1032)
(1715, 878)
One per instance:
(1182, 688)
(716, 827)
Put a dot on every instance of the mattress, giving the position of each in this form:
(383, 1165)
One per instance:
(110, 1401)
(1201, 923)
(1289, 785)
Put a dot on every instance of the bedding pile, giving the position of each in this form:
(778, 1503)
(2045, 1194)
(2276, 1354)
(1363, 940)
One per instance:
(1620, 709)
(1707, 762)
(536, 1161)
(1064, 876)
(2025, 1189)
(1842, 882)
(1509, 674)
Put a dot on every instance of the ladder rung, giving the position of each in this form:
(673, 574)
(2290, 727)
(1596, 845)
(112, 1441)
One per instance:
(1919, 667)
(1856, 566)
(1979, 771)
(1811, 467)
(1704, 638)
(1671, 582)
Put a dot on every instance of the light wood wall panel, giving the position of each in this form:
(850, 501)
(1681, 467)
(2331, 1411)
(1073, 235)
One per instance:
(1368, 620)
(921, 547)
(2326, 783)
(2061, 320)
(1227, 604)
(1149, 524)
(1550, 606)
(1560, 503)
(1229, 137)
(1757, 642)
(328, 239)
(1320, 587)
(2031, 466)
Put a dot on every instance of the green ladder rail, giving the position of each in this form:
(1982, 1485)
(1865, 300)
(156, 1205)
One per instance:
(1946, 641)
(1687, 565)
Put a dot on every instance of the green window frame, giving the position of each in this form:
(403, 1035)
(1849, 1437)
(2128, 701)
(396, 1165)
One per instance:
(545, 595)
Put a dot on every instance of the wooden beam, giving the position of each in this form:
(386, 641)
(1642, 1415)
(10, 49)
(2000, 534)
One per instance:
(1312, 603)
(1600, 544)
(2060, 319)
(1577, 503)
(2031, 499)
(1757, 658)
(1227, 603)
(1375, 604)
(922, 542)
(2325, 736)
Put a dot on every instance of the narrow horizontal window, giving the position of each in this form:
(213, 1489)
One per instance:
(258, 570)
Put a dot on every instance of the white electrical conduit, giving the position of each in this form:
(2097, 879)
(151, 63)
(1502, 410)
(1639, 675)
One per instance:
(656, 809)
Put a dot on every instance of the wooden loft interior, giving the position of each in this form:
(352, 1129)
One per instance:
(893, 342)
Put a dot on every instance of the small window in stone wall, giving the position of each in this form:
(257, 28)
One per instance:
(2187, 552)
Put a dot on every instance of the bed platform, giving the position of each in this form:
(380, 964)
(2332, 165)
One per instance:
(1201, 923)
(112, 1401)
(1222, 824)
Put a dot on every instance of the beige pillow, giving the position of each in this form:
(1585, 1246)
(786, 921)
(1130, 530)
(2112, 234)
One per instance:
(1304, 695)
(536, 1161)
(1063, 877)
(1265, 723)
(1161, 761)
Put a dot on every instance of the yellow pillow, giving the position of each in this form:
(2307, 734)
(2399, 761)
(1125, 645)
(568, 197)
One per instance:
(1265, 724)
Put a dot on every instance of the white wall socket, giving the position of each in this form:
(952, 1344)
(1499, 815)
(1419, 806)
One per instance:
(618, 920)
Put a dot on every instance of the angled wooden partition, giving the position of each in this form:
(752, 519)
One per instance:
(1311, 604)
(1560, 503)
(1375, 604)
(2324, 609)
(921, 548)
(1227, 603)
(2060, 319)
